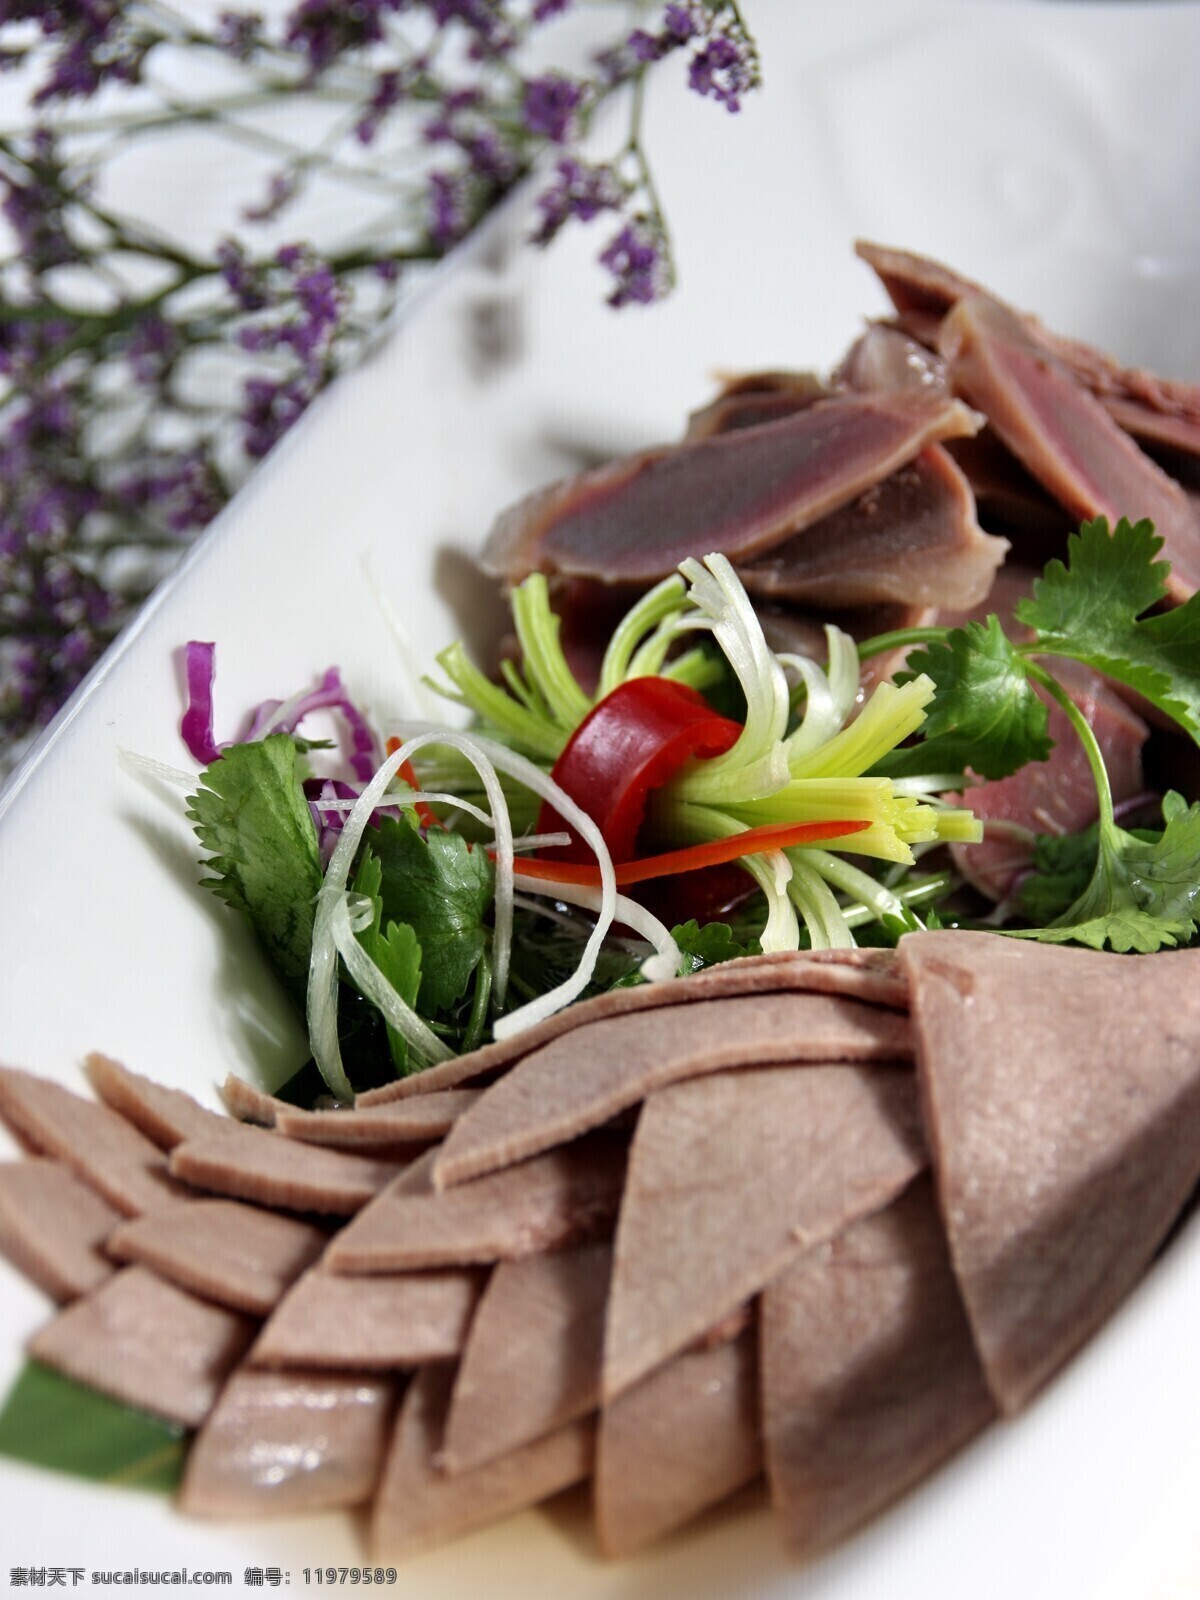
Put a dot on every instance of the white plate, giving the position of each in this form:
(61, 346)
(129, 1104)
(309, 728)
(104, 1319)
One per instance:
(1047, 149)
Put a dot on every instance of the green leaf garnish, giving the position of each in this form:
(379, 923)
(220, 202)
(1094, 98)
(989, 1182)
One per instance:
(250, 812)
(704, 945)
(49, 1421)
(985, 715)
(395, 950)
(1090, 608)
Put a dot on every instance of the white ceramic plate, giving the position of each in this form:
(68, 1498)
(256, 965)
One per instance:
(1049, 150)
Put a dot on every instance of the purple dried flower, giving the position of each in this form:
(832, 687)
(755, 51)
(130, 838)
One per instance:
(240, 33)
(150, 348)
(323, 30)
(635, 258)
(389, 90)
(578, 191)
(242, 278)
(545, 9)
(35, 204)
(269, 408)
(549, 105)
(280, 190)
(447, 209)
(723, 71)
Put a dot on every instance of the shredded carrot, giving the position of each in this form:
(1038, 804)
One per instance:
(771, 836)
(429, 817)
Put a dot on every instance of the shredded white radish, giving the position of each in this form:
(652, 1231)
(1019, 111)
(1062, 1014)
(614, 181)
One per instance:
(148, 767)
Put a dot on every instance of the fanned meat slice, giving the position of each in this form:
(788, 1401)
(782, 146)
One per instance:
(532, 1362)
(565, 1195)
(1062, 1097)
(915, 283)
(741, 493)
(588, 1076)
(93, 1141)
(166, 1116)
(732, 1177)
(754, 397)
(869, 1376)
(238, 1255)
(1062, 433)
(869, 975)
(146, 1343)
(53, 1227)
(912, 538)
(1010, 498)
(250, 1104)
(419, 1506)
(418, 1120)
(370, 1324)
(257, 1164)
(678, 1443)
(287, 1444)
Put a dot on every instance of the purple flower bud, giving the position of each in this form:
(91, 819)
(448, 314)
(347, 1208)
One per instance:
(549, 106)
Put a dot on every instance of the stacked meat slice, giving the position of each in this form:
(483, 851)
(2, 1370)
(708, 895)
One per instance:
(817, 1217)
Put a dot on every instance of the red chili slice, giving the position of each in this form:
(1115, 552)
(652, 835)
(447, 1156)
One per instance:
(631, 743)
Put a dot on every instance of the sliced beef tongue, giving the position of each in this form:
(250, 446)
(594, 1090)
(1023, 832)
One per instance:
(96, 1143)
(53, 1227)
(734, 1176)
(754, 397)
(741, 493)
(418, 1505)
(1063, 1115)
(260, 1165)
(234, 1254)
(869, 975)
(589, 1075)
(532, 1362)
(678, 1443)
(869, 1376)
(287, 1444)
(166, 1116)
(147, 1343)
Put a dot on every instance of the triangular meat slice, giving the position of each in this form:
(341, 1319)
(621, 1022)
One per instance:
(1062, 1095)
(370, 1323)
(53, 1227)
(532, 1362)
(286, 1444)
(679, 1442)
(96, 1143)
(870, 975)
(869, 1376)
(258, 1164)
(167, 1116)
(589, 1075)
(238, 1255)
(565, 1195)
(418, 1506)
(147, 1343)
(730, 1178)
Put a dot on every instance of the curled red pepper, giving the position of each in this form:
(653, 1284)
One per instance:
(632, 742)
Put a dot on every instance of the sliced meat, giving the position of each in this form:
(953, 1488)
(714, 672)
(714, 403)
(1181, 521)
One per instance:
(731, 1178)
(532, 1362)
(588, 1076)
(418, 1120)
(741, 492)
(166, 1116)
(94, 1142)
(1062, 433)
(678, 1443)
(915, 283)
(53, 1227)
(1173, 440)
(288, 1444)
(911, 539)
(562, 1196)
(141, 1340)
(1062, 1097)
(886, 357)
(370, 1324)
(235, 1254)
(869, 1376)
(1009, 499)
(256, 1164)
(755, 397)
(419, 1506)
(869, 975)
(248, 1104)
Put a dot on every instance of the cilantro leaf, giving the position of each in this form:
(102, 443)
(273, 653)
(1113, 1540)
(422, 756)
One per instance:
(1089, 610)
(705, 946)
(985, 715)
(442, 889)
(1144, 893)
(395, 950)
(1063, 864)
(250, 812)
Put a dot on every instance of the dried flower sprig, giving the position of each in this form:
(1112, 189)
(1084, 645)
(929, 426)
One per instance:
(142, 374)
